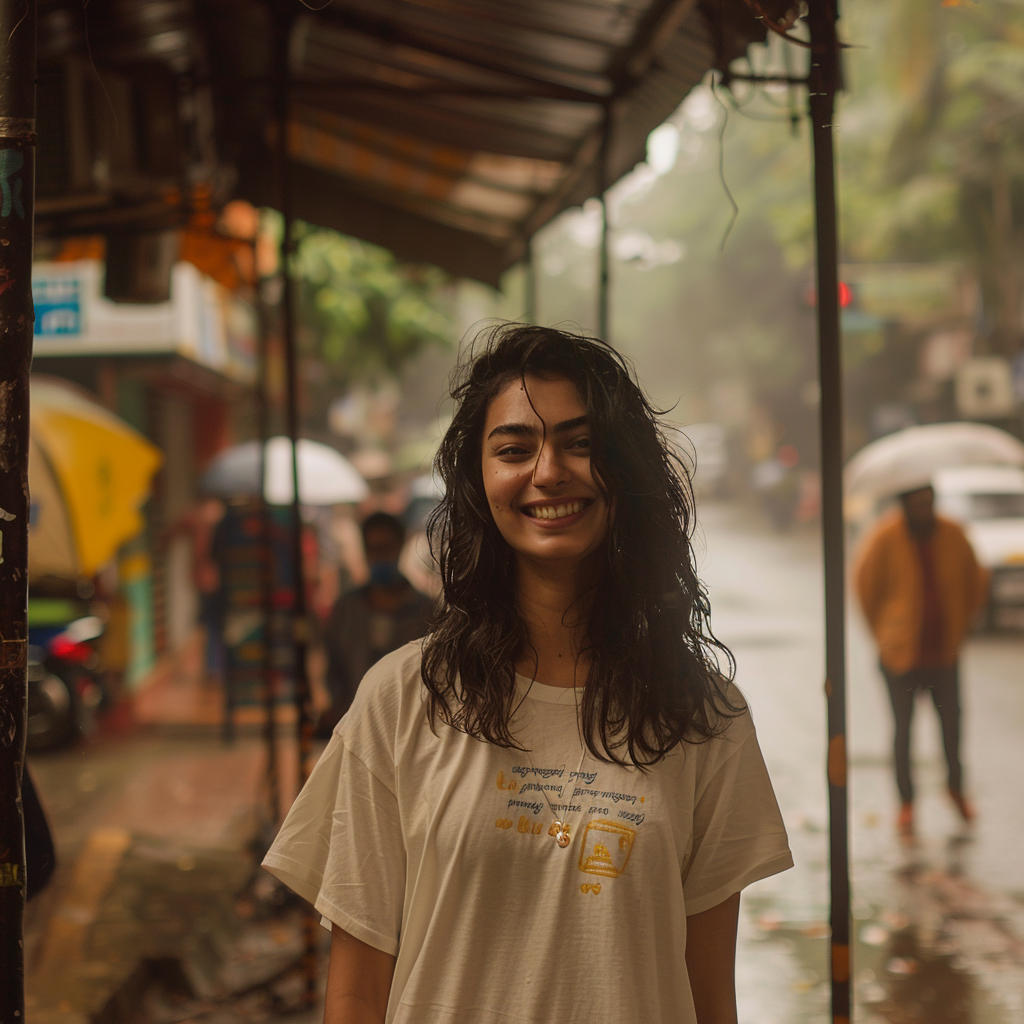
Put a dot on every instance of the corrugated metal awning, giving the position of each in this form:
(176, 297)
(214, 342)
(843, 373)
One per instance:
(450, 130)
(446, 130)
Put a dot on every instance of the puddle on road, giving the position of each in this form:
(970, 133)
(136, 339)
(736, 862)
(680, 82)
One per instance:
(914, 985)
(917, 967)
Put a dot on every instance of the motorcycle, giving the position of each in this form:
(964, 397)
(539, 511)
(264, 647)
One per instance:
(65, 683)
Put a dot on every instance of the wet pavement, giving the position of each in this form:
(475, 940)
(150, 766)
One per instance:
(158, 913)
(937, 925)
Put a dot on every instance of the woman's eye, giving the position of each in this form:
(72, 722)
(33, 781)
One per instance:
(512, 449)
(581, 443)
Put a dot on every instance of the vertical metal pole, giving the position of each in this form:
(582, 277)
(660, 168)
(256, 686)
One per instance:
(529, 284)
(227, 732)
(823, 83)
(266, 553)
(604, 178)
(17, 181)
(300, 622)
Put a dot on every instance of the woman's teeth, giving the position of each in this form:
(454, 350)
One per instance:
(555, 511)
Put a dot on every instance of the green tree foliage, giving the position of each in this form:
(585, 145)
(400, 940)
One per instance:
(933, 143)
(364, 314)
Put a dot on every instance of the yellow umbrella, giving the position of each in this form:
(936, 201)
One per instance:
(89, 474)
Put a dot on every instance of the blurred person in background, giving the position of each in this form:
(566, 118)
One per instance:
(201, 523)
(921, 587)
(372, 620)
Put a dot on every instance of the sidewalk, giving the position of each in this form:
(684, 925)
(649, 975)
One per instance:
(158, 907)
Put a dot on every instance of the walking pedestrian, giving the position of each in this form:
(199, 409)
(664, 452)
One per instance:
(921, 588)
(372, 620)
(545, 810)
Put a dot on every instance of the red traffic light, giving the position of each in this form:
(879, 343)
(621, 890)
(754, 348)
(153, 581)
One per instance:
(845, 295)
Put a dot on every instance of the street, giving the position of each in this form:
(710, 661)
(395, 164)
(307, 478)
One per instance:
(938, 926)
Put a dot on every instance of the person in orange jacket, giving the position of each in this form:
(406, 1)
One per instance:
(921, 587)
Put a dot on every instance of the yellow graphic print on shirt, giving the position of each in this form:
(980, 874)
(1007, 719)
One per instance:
(606, 848)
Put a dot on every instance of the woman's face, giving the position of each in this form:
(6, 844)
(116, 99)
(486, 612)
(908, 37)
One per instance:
(537, 474)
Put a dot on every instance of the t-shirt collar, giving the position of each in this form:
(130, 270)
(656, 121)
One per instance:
(525, 687)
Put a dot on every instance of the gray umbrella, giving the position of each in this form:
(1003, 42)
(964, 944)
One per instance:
(326, 477)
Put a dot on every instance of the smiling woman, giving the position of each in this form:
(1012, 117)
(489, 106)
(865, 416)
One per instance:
(547, 808)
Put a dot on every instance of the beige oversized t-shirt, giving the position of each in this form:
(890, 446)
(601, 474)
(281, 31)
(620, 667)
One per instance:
(438, 850)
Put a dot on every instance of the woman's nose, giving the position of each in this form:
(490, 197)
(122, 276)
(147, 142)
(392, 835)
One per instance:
(549, 469)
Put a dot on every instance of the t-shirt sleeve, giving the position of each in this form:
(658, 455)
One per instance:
(341, 849)
(738, 834)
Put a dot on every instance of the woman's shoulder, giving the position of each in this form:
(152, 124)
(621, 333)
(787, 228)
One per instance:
(389, 692)
(730, 723)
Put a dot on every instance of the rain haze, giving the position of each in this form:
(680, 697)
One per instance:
(266, 236)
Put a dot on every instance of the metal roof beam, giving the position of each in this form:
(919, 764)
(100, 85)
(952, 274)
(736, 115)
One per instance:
(350, 85)
(471, 130)
(563, 19)
(654, 34)
(410, 236)
(597, 89)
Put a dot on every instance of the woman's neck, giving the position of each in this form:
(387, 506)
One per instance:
(554, 602)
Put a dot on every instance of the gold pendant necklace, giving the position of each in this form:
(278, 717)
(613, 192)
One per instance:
(561, 828)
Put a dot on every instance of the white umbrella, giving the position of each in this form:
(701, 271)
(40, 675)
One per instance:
(326, 477)
(909, 458)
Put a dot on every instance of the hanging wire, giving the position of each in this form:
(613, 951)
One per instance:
(95, 70)
(739, 105)
(18, 24)
(794, 110)
(721, 164)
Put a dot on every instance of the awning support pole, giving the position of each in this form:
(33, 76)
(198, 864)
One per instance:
(266, 548)
(17, 174)
(604, 181)
(823, 82)
(529, 284)
(300, 622)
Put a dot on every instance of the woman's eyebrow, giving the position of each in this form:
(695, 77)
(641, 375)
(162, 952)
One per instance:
(521, 429)
(511, 430)
(565, 425)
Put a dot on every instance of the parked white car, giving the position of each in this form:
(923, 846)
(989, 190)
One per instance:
(989, 501)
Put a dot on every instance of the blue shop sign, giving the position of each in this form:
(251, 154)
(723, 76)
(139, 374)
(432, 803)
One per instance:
(58, 302)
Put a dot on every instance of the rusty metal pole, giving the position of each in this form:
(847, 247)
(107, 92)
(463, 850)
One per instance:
(300, 621)
(604, 180)
(17, 181)
(824, 82)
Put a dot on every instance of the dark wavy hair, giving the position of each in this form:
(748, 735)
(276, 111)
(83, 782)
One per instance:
(657, 673)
